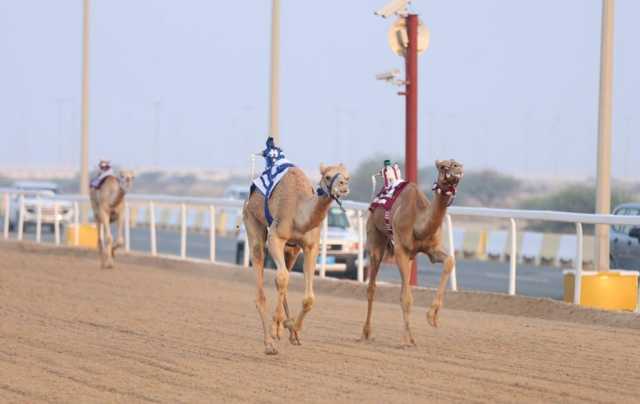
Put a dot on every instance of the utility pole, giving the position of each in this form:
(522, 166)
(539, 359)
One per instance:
(603, 179)
(84, 157)
(411, 115)
(274, 108)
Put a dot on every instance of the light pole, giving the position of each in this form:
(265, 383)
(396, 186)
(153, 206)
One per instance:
(156, 130)
(603, 185)
(84, 157)
(274, 94)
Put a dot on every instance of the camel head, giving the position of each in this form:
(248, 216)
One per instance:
(335, 180)
(450, 173)
(126, 179)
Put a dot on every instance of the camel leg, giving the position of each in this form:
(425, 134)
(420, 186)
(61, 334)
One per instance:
(257, 235)
(104, 219)
(100, 240)
(276, 249)
(406, 299)
(290, 257)
(448, 262)
(376, 252)
(120, 239)
(310, 256)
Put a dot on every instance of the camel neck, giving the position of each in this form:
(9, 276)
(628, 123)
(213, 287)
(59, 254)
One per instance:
(317, 206)
(433, 216)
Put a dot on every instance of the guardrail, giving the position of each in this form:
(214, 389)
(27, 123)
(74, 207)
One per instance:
(361, 209)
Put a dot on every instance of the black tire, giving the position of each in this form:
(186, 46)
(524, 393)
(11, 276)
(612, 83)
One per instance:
(239, 253)
(352, 268)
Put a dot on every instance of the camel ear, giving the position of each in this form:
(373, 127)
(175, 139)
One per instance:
(323, 168)
(439, 163)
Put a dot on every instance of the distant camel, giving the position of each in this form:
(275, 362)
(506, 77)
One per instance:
(107, 202)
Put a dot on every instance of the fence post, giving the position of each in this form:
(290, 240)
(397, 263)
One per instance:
(360, 247)
(127, 227)
(212, 233)
(76, 224)
(577, 285)
(245, 258)
(6, 216)
(38, 220)
(56, 223)
(452, 252)
(21, 218)
(323, 257)
(183, 231)
(512, 258)
(152, 229)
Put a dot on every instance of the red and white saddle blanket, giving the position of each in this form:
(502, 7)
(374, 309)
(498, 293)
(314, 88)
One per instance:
(385, 200)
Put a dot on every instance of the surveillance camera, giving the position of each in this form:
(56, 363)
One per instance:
(388, 76)
(395, 7)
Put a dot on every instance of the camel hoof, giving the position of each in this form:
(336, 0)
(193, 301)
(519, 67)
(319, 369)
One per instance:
(366, 335)
(432, 316)
(276, 330)
(408, 342)
(269, 349)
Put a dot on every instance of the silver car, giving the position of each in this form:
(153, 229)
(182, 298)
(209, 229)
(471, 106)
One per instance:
(34, 194)
(625, 240)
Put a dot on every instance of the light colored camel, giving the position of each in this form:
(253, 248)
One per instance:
(298, 212)
(416, 227)
(107, 203)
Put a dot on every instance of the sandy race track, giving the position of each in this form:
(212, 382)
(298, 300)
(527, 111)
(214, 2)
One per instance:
(160, 331)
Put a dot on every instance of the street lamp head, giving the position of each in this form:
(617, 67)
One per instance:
(388, 76)
(395, 7)
(391, 77)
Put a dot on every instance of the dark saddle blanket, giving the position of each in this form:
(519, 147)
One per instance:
(385, 200)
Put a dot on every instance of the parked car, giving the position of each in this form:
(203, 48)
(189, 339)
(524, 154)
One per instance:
(625, 240)
(35, 193)
(342, 248)
(239, 192)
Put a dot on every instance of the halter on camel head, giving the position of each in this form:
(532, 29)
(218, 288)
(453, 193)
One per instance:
(449, 175)
(320, 191)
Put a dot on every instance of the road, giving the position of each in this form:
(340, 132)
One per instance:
(487, 276)
(157, 330)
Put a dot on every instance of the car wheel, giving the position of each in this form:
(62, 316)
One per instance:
(239, 253)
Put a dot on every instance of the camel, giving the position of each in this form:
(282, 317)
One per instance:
(107, 202)
(415, 227)
(297, 213)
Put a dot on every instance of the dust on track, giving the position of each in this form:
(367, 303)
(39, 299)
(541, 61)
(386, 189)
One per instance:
(159, 331)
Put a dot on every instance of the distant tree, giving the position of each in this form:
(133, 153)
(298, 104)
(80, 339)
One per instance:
(487, 188)
(574, 198)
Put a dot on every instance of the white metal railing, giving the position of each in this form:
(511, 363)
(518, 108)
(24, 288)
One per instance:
(361, 209)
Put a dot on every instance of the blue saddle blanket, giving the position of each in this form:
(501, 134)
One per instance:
(268, 181)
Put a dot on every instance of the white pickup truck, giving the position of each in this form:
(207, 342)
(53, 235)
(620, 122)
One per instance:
(35, 193)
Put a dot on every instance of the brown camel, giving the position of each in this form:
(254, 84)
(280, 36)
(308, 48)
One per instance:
(415, 228)
(107, 203)
(298, 213)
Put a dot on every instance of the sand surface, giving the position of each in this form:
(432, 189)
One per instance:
(158, 331)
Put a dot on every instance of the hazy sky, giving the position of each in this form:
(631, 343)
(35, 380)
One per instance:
(505, 84)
